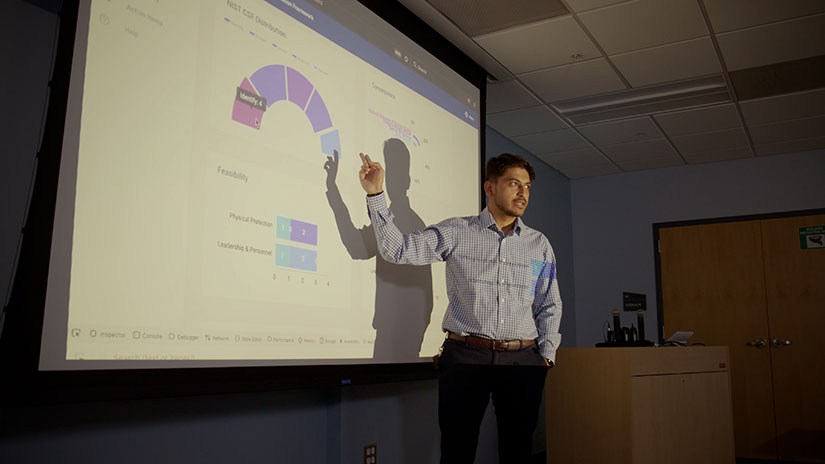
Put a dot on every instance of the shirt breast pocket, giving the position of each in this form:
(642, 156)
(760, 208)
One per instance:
(522, 282)
(475, 262)
(476, 269)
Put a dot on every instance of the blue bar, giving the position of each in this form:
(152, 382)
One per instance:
(368, 52)
(331, 142)
(296, 258)
(300, 258)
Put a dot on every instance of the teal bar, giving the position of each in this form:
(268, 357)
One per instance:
(283, 228)
(282, 254)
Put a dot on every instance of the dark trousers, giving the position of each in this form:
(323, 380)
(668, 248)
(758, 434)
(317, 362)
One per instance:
(468, 378)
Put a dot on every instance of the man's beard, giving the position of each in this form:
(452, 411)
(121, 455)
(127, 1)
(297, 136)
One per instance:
(509, 208)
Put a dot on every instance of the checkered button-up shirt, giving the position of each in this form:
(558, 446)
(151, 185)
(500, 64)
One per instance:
(499, 287)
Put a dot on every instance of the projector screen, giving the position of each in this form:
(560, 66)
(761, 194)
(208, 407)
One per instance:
(209, 212)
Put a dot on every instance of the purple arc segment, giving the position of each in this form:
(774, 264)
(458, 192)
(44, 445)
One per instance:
(270, 82)
(299, 87)
(317, 113)
(243, 111)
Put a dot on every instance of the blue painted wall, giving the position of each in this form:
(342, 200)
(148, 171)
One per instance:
(613, 219)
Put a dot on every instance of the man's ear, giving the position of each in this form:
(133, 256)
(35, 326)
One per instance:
(488, 188)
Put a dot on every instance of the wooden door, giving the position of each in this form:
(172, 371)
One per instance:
(795, 284)
(713, 283)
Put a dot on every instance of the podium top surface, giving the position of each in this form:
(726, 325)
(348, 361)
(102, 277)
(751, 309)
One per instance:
(651, 360)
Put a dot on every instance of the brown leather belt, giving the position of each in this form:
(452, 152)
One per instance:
(498, 345)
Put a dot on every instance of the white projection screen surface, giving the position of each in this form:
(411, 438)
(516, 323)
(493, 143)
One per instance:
(209, 212)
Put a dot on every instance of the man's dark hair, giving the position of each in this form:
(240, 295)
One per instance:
(496, 166)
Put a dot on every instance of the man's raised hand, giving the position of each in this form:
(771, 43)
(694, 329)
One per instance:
(371, 175)
(331, 166)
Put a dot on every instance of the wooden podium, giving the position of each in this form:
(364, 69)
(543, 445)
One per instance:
(663, 405)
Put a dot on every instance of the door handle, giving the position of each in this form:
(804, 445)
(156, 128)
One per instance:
(780, 342)
(759, 343)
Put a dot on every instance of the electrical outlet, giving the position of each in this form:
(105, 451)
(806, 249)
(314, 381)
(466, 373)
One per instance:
(370, 454)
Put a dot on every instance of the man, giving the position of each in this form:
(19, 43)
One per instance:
(502, 320)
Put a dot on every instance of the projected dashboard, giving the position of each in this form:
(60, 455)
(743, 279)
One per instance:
(209, 211)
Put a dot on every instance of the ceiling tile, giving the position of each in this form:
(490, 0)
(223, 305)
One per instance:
(644, 23)
(708, 141)
(584, 157)
(548, 142)
(508, 95)
(580, 163)
(787, 130)
(693, 121)
(728, 15)
(774, 43)
(476, 17)
(583, 5)
(718, 155)
(540, 45)
(783, 107)
(576, 172)
(624, 131)
(573, 81)
(652, 163)
(794, 76)
(666, 63)
(525, 121)
(791, 146)
(640, 151)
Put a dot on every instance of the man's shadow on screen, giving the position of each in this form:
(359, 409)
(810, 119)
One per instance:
(403, 293)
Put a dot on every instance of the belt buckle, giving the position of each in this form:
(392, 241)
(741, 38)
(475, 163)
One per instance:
(500, 345)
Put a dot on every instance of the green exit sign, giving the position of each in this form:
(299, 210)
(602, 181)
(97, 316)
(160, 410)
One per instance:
(812, 237)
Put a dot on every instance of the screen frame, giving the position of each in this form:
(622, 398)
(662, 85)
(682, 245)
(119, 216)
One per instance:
(20, 341)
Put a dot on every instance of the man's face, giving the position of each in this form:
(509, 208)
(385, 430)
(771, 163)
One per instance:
(510, 193)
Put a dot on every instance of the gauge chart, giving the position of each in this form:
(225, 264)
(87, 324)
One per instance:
(274, 83)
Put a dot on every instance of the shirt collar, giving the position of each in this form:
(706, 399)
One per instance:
(487, 221)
